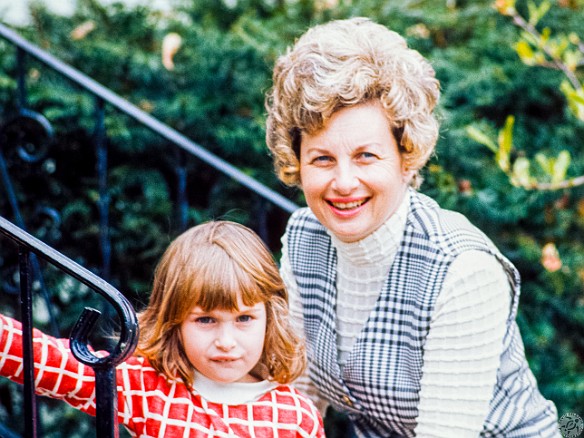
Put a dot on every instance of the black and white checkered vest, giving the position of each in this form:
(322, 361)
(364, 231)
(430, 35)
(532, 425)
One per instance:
(379, 386)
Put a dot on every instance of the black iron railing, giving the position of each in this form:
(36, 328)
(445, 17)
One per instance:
(104, 367)
(30, 127)
(105, 96)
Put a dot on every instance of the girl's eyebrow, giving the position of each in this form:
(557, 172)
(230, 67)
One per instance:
(243, 309)
(248, 310)
(198, 312)
(254, 308)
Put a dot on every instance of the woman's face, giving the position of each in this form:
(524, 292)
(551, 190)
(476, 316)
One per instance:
(352, 173)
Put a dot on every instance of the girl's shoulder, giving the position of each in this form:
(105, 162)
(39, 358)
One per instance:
(136, 372)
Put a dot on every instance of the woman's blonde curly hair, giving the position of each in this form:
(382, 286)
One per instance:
(344, 63)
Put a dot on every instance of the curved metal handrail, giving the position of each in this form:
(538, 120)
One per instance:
(128, 320)
(103, 366)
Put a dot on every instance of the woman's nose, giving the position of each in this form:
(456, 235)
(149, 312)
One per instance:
(345, 178)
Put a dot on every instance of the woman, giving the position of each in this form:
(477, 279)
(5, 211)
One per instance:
(408, 310)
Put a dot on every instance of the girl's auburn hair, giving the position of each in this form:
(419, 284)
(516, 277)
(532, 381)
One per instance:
(210, 265)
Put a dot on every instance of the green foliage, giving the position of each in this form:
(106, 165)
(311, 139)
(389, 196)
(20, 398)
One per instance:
(562, 52)
(214, 95)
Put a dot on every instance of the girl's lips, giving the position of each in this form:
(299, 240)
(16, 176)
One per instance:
(224, 359)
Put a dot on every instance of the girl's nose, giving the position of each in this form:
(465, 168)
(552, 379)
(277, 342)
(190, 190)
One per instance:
(225, 340)
(345, 179)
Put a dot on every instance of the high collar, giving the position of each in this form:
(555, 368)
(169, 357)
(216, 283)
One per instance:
(235, 393)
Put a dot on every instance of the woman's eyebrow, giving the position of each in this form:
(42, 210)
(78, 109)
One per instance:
(367, 145)
(318, 150)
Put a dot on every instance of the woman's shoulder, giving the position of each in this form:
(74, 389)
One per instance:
(304, 220)
(428, 210)
(305, 235)
(302, 215)
(438, 221)
(444, 231)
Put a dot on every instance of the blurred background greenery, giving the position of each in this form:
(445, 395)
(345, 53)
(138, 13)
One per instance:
(517, 177)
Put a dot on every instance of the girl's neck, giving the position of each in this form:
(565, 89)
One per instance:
(234, 393)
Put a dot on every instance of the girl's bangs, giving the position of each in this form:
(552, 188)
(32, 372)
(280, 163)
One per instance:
(219, 281)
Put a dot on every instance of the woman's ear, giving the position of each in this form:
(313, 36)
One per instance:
(407, 173)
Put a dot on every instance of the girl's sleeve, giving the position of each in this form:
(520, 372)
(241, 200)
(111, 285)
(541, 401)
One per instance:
(57, 373)
(303, 383)
(463, 348)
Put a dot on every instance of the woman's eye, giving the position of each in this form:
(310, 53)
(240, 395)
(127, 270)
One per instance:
(323, 159)
(366, 155)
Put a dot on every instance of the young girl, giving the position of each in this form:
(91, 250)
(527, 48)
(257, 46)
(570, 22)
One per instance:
(215, 354)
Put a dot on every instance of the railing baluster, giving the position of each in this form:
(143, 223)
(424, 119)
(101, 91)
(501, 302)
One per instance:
(30, 406)
(261, 214)
(106, 400)
(181, 191)
(13, 201)
(21, 80)
(104, 198)
(9, 188)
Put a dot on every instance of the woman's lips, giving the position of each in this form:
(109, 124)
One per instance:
(346, 207)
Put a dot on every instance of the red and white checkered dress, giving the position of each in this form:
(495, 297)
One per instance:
(150, 405)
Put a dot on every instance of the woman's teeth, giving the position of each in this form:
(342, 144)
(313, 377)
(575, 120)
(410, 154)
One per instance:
(347, 205)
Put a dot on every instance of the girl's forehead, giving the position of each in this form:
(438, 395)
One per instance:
(228, 299)
(240, 307)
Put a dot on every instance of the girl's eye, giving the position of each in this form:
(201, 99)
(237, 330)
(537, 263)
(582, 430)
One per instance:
(204, 320)
(244, 318)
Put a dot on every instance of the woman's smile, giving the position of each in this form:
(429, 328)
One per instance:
(348, 207)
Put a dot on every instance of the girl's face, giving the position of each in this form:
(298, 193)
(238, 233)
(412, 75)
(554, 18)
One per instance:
(225, 345)
(352, 173)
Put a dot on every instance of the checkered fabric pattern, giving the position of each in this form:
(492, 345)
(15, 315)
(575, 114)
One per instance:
(149, 404)
(380, 383)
